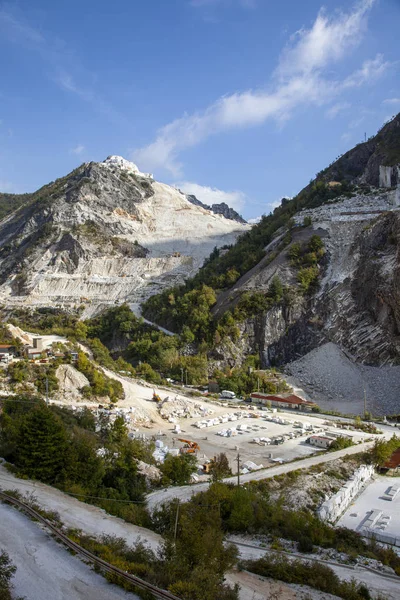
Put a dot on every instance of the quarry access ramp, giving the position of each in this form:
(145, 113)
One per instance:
(102, 564)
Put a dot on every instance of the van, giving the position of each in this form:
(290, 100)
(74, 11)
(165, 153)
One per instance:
(228, 394)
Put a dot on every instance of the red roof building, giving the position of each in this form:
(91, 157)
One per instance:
(289, 401)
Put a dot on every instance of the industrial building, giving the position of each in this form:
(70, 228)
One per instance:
(290, 401)
(7, 352)
(320, 441)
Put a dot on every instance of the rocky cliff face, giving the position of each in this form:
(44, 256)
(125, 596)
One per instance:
(357, 305)
(105, 233)
(218, 209)
(364, 162)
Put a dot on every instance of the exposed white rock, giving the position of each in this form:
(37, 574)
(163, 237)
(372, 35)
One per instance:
(103, 207)
(121, 163)
(70, 381)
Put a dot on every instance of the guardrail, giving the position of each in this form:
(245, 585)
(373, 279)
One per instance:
(105, 566)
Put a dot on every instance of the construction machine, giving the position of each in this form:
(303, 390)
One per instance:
(189, 447)
(156, 397)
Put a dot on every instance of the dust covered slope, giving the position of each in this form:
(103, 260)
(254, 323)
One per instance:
(104, 233)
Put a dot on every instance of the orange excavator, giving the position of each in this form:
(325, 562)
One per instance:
(189, 447)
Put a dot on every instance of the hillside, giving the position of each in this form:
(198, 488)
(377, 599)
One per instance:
(105, 233)
(323, 268)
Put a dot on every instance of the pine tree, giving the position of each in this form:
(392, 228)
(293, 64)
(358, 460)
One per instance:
(42, 444)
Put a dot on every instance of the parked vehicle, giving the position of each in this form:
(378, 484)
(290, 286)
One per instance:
(228, 394)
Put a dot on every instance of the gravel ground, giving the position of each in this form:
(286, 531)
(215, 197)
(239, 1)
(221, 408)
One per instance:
(73, 513)
(335, 382)
(45, 569)
(376, 584)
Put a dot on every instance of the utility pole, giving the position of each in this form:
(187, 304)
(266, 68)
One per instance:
(238, 468)
(182, 376)
(365, 403)
(258, 384)
(186, 377)
(47, 390)
(176, 520)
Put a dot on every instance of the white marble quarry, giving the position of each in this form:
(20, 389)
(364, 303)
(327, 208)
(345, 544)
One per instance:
(332, 508)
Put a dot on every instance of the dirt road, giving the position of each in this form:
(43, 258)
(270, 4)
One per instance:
(76, 514)
(45, 570)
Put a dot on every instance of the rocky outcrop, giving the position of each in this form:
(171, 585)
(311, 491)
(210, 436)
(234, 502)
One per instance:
(357, 305)
(219, 209)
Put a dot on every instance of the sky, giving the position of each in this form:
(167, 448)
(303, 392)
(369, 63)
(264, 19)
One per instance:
(237, 101)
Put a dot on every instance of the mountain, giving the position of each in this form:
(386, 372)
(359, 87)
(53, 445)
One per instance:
(320, 275)
(219, 209)
(104, 234)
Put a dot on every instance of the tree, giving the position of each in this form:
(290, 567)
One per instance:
(219, 467)
(294, 252)
(179, 469)
(275, 290)
(7, 571)
(41, 445)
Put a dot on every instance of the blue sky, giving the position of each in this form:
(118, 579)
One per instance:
(235, 100)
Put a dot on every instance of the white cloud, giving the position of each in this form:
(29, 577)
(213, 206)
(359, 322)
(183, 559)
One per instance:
(78, 149)
(297, 81)
(369, 72)
(391, 101)
(329, 40)
(332, 112)
(210, 195)
(255, 220)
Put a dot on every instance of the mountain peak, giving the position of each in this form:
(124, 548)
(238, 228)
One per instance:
(119, 162)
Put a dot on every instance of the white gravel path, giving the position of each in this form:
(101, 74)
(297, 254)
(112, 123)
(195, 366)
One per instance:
(76, 514)
(45, 569)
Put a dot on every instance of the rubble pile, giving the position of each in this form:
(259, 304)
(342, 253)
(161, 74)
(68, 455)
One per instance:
(172, 409)
(151, 472)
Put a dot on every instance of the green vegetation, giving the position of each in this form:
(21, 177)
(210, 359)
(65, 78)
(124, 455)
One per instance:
(178, 470)
(222, 269)
(341, 443)
(248, 509)
(7, 572)
(144, 351)
(65, 449)
(191, 564)
(219, 467)
(383, 450)
(24, 373)
(100, 384)
(244, 381)
(318, 576)
(11, 202)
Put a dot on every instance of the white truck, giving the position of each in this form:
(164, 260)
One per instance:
(228, 395)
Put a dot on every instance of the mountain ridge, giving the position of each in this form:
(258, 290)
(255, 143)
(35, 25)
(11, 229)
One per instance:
(105, 232)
